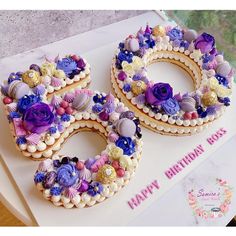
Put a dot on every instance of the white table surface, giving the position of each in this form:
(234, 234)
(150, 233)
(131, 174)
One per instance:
(164, 212)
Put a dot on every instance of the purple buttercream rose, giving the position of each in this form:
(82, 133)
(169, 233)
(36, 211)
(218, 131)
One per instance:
(158, 93)
(38, 118)
(67, 175)
(205, 42)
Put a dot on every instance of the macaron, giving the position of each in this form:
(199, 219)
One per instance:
(132, 44)
(190, 35)
(188, 104)
(126, 127)
(223, 69)
(81, 102)
(18, 89)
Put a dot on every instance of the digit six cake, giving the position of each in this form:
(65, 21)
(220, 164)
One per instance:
(157, 105)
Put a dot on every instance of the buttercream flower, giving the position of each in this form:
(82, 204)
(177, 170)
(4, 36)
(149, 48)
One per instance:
(68, 65)
(126, 144)
(39, 177)
(95, 188)
(158, 93)
(205, 42)
(13, 76)
(170, 106)
(137, 63)
(55, 191)
(67, 175)
(114, 152)
(38, 118)
(219, 89)
(125, 56)
(99, 98)
(175, 34)
(125, 162)
(27, 101)
(128, 68)
(47, 68)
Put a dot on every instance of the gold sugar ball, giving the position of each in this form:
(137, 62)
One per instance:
(32, 78)
(158, 31)
(106, 174)
(209, 98)
(138, 87)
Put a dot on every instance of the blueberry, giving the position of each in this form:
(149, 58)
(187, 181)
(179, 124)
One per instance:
(75, 159)
(65, 160)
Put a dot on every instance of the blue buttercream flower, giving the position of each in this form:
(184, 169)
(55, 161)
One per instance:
(39, 177)
(67, 175)
(127, 87)
(222, 80)
(99, 98)
(184, 44)
(126, 144)
(13, 115)
(52, 130)
(170, 106)
(21, 140)
(27, 101)
(175, 33)
(207, 58)
(68, 65)
(65, 117)
(137, 77)
(97, 108)
(94, 189)
(125, 56)
(13, 76)
(202, 113)
(55, 191)
(225, 100)
(151, 43)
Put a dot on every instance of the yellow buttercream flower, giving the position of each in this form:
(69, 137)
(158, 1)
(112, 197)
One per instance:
(59, 74)
(115, 152)
(48, 68)
(220, 90)
(137, 63)
(127, 68)
(125, 162)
